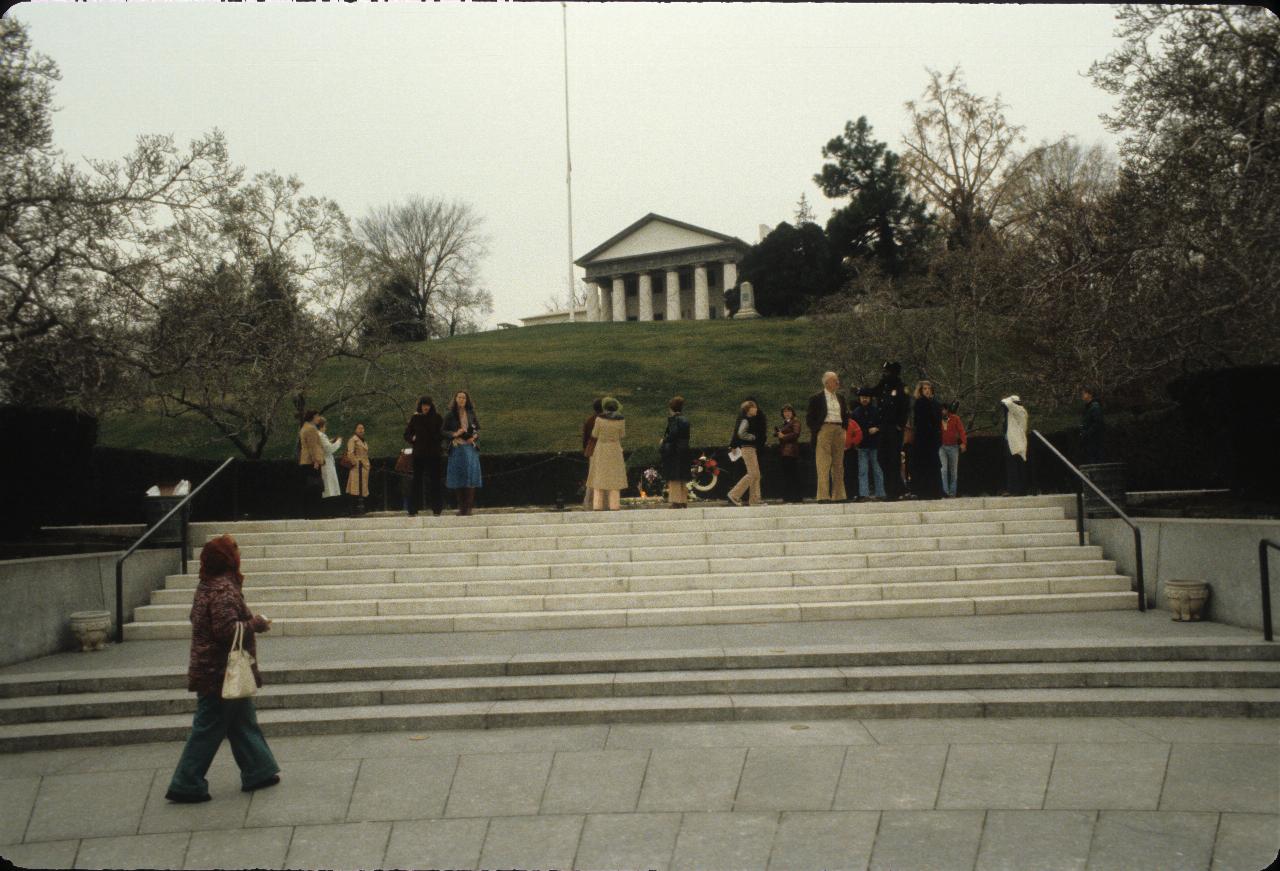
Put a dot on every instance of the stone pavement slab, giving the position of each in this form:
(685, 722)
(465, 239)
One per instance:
(1223, 777)
(1043, 840)
(836, 840)
(17, 798)
(89, 805)
(1246, 842)
(1001, 730)
(526, 739)
(1004, 776)
(1208, 730)
(340, 847)
(1127, 840)
(228, 811)
(889, 777)
(402, 789)
(789, 778)
(635, 840)
(1107, 777)
(134, 851)
(927, 841)
(692, 779)
(45, 854)
(41, 762)
(531, 842)
(308, 793)
(241, 848)
(498, 785)
(724, 842)
(595, 781)
(436, 843)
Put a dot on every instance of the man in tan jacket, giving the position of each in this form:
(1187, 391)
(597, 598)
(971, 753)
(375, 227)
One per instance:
(310, 460)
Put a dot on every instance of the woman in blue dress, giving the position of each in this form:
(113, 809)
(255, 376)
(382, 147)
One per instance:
(462, 474)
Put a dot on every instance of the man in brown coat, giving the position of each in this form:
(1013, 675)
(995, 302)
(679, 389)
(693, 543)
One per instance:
(827, 417)
(310, 459)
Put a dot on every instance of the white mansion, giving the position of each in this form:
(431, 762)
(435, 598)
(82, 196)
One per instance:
(657, 269)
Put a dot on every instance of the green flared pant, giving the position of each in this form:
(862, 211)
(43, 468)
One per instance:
(215, 719)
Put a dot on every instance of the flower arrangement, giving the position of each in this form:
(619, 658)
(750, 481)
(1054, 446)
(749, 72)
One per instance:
(705, 472)
(650, 483)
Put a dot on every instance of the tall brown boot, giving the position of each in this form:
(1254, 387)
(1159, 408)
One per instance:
(471, 500)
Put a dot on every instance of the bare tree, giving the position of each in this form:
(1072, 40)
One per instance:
(961, 155)
(436, 245)
(460, 308)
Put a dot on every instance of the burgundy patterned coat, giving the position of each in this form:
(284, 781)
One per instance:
(218, 606)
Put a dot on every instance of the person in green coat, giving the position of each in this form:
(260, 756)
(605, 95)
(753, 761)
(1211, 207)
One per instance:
(674, 449)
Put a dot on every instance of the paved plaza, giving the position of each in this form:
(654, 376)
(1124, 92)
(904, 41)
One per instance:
(1093, 793)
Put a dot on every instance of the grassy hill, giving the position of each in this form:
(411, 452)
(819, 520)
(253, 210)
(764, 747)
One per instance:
(534, 386)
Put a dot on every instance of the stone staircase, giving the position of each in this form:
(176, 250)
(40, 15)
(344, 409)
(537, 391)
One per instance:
(1221, 677)
(689, 574)
(705, 565)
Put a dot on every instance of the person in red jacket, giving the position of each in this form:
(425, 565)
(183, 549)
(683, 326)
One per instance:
(954, 443)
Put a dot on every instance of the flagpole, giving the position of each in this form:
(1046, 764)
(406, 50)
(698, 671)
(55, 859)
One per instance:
(568, 162)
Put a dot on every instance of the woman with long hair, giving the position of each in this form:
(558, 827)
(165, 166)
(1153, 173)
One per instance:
(748, 436)
(607, 474)
(218, 612)
(423, 435)
(358, 472)
(789, 451)
(926, 445)
(462, 428)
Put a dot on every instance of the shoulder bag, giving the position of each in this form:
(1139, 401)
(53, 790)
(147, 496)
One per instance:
(238, 682)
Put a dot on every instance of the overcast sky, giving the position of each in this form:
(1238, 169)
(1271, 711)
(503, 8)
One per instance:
(713, 114)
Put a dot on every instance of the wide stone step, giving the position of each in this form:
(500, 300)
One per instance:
(346, 587)
(356, 545)
(163, 702)
(621, 567)
(718, 512)
(369, 607)
(660, 616)
(524, 551)
(1204, 650)
(1092, 701)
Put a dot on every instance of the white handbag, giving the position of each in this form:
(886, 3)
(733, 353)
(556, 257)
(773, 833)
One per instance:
(238, 683)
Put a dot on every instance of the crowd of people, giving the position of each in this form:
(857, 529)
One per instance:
(905, 442)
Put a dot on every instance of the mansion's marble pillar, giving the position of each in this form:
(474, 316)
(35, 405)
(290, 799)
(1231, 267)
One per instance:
(646, 297)
(593, 302)
(701, 295)
(730, 275)
(673, 295)
(605, 305)
(619, 299)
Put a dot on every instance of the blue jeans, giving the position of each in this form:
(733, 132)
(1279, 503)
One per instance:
(867, 457)
(949, 456)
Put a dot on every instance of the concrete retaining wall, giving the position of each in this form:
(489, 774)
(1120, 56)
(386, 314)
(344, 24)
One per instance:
(1222, 552)
(40, 594)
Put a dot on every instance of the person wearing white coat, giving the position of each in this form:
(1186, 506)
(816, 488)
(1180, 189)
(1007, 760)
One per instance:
(329, 472)
(1015, 433)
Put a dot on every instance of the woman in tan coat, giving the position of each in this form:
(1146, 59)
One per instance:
(607, 475)
(358, 473)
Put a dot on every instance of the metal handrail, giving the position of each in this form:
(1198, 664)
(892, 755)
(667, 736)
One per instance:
(1265, 575)
(146, 535)
(1084, 479)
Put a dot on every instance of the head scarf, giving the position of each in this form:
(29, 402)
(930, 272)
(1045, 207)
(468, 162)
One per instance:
(220, 557)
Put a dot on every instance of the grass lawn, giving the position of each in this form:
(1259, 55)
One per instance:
(533, 386)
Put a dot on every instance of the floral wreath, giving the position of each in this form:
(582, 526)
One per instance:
(706, 472)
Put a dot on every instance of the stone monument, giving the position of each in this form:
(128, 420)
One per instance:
(746, 303)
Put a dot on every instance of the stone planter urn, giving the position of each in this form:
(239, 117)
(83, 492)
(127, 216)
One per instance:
(1186, 599)
(92, 629)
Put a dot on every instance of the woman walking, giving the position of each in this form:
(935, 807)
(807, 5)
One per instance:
(358, 470)
(789, 449)
(329, 471)
(926, 446)
(607, 475)
(675, 454)
(218, 613)
(462, 428)
(748, 435)
(423, 435)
